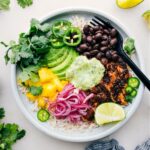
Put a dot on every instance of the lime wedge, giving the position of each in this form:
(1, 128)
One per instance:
(146, 17)
(125, 4)
(109, 112)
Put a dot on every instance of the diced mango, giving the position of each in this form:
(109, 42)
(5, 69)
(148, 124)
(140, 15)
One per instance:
(30, 83)
(46, 75)
(49, 90)
(31, 97)
(52, 99)
(58, 84)
(41, 102)
(64, 82)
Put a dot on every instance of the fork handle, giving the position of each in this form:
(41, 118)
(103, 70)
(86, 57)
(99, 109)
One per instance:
(136, 70)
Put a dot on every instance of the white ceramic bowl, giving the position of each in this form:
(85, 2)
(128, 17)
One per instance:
(97, 133)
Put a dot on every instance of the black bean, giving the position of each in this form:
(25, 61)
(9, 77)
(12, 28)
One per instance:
(113, 52)
(104, 43)
(120, 60)
(89, 39)
(93, 42)
(106, 31)
(114, 57)
(86, 29)
(101, 27)
(108, 55)
(84, 38)
(104, 48)
(113, 32)
(96, 28)
(89, 48)
(104, 37)
(109, 38)
(83, 46)
(99, 31)
(96, 46)
(113, 41)
(98, 36)
(99, 55)
(104, 61)
(94, 52)
(91, 30)
(86, 54)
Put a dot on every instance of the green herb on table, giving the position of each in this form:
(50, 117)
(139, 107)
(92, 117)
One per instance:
(9, 133)
(129, 46)
(2, 113)
(24, 3)
(4, 4)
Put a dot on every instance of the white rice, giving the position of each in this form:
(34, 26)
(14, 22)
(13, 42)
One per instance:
(79, 22)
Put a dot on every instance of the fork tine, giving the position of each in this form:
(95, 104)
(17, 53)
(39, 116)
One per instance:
(92, 23)
(97, 22)
(104, 22)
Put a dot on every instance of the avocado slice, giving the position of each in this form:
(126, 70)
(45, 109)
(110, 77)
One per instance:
(54, 54)
(59, 59)
(63, 72)
(66, 63)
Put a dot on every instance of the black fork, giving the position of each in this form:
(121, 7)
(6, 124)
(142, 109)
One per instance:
(119, 48)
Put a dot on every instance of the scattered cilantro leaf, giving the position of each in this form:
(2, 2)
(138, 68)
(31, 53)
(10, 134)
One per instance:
(9, 133)
(36, 90)
(25, 3)
(129, 46)
(2, 113)
(4, 4)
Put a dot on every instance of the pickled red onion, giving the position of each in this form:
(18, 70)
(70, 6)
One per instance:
(71, 104)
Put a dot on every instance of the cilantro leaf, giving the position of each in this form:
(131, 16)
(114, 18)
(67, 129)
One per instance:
(36, 90)
(9, 133)
(129, 46)
(31, 46)
(4, 4)
(29, 73)
(2, 113)
(25, 3)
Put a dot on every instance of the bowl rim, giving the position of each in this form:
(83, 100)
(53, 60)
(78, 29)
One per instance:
(77, 139)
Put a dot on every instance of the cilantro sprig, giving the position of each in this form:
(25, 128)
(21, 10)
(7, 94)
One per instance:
(28, 53)
(5, 4)
(25, 3)
(9, 133)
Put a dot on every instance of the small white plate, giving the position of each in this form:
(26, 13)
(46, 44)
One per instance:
(75, 135)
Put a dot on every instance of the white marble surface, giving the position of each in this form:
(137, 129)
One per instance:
(16, 20)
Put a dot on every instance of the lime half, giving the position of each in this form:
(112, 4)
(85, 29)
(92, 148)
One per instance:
(109, 112)
(146, 17)
(125, 4)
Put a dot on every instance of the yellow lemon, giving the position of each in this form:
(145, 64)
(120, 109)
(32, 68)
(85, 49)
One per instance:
(128, 3)
(146, 16)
